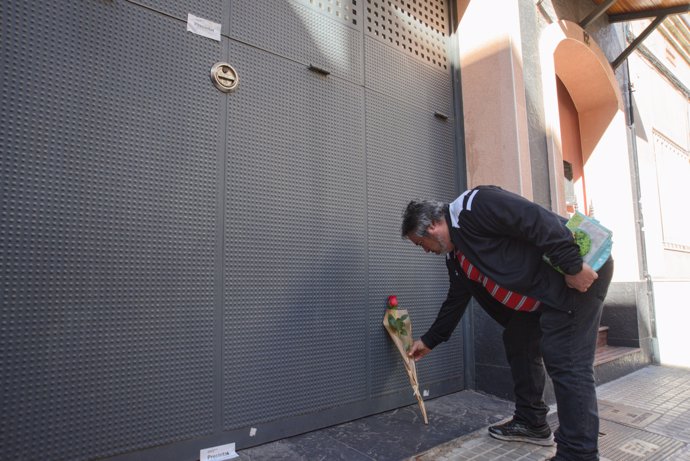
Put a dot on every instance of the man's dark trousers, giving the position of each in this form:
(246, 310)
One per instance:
(522, 344)
(568, 345)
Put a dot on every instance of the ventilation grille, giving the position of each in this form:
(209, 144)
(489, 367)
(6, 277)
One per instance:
(418, 27)
(341, 10)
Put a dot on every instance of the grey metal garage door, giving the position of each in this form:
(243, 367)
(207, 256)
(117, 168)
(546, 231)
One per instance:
(183, 268)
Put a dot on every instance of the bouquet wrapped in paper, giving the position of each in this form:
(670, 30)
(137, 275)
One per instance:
(397, 323)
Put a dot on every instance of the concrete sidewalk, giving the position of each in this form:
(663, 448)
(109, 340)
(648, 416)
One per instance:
(644, 416)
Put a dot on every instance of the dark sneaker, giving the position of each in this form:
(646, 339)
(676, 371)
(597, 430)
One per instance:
(515, 431)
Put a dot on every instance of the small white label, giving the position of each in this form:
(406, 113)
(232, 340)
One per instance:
(425, 393)
(203, 27)
(252, 432)
(219, 453)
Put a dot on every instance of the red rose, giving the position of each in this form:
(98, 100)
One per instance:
(393, 302)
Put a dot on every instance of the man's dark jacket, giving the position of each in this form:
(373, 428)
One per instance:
(505, 236)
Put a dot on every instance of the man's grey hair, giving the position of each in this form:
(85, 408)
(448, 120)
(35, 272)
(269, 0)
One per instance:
(420, 215)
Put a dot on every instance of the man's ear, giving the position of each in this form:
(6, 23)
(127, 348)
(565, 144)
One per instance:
(434, 228)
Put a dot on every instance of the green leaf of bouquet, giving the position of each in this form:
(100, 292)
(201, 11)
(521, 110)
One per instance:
(391, 320)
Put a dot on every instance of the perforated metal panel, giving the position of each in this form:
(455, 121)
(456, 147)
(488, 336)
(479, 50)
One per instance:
(295, 247)
(409, 156)
(402, 77)
(107, 230)
(114, 207)
(419, 28)
(211, 10)
(302, 31)
(345, 11)
(296, 188)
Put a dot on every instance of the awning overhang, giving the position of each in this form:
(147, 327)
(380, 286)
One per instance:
(677, 31)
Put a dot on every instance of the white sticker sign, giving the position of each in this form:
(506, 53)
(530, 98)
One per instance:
(203, 27)
(219, 453)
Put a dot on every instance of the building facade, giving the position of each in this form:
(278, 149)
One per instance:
(550, 114)
(659, 73)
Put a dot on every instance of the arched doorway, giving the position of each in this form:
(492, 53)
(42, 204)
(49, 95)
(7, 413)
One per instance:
(588, 98)
(575, 190)
(585, 127)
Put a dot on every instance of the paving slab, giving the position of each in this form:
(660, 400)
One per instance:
(644, 416)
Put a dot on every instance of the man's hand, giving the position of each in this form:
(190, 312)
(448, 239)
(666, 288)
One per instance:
(418, 350)
(583, 279)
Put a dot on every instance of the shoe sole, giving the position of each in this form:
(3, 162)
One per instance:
(516, 438)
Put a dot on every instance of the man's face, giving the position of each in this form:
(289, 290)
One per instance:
(436, 241)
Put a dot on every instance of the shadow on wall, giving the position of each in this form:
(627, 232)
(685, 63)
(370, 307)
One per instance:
(640, 130)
